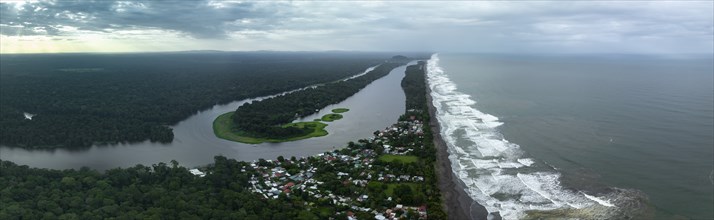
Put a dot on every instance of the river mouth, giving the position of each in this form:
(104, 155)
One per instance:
(374, 107)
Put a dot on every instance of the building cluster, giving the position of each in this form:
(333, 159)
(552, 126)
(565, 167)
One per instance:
(353, 166)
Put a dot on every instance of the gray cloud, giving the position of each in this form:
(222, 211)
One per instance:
(638, 27)
(200, 19)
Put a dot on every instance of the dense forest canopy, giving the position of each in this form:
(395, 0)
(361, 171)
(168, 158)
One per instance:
(414, 85)
(82, 99)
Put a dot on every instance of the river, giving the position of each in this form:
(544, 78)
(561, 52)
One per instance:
(375, 107)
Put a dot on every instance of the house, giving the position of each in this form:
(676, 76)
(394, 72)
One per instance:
(297, 178)
(288, 185)
(197, 172)
(422, 210)
(379, 216)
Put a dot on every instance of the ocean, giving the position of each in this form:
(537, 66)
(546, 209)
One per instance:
(587, 136)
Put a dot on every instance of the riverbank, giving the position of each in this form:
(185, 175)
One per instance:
(457, 203)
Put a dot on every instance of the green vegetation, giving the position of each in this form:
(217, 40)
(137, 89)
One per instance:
(398, 190)
(155, 192)
(264, 118)
(223, 128)
(399, 158)
(82, 99)
(331, 117)
(340, 110)
(414, 84)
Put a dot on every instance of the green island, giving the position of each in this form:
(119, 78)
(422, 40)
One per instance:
(331, 117)
(223, 128)
(340, 110)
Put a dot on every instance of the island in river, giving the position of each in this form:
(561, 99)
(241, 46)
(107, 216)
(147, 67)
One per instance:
(224, 128)
(340, 110)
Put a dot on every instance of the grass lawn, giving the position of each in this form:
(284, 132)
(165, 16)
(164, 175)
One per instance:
(340, 110)
(223, 128)
(390, 187)
(331, 117)
(389, 191)
(402, 158)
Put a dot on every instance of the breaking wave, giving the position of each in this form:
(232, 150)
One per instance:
(497, 173)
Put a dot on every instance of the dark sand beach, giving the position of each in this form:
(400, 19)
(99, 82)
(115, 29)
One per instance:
(457, 204)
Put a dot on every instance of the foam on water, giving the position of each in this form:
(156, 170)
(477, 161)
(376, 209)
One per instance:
(497, 173)
(598, 200)
(28, 116)
(526, 161)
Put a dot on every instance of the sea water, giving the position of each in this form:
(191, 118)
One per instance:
(584, 136)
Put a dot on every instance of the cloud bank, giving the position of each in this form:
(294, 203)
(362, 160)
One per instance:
(504, 27)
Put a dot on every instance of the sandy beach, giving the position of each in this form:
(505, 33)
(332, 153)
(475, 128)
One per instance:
(457, 204)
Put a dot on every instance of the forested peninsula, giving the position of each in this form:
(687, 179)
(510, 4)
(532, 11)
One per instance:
(77, 100)
(270, 119)
(391, 174)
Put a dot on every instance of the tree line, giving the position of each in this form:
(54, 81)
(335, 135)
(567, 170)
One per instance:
(162, 191)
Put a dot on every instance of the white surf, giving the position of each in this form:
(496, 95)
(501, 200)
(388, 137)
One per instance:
(496, 172)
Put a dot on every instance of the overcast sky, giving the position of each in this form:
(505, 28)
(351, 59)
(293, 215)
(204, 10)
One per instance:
(471, 26)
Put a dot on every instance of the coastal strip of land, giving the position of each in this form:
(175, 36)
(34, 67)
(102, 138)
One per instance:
(457, 203)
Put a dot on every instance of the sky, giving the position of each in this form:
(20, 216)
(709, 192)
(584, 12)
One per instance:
(645, 27)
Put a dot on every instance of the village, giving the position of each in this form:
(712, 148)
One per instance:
(378, 177)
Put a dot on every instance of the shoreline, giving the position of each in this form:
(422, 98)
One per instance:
(457, 204)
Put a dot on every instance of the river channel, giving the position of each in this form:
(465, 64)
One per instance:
(375, 107)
